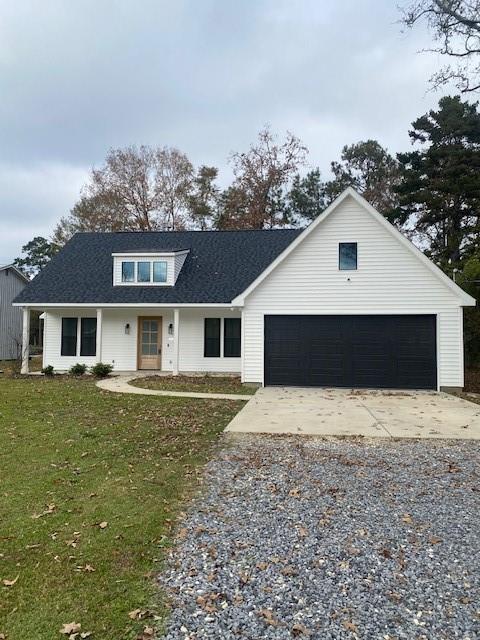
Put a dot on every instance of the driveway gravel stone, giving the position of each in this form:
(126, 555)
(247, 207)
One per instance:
(297, 537)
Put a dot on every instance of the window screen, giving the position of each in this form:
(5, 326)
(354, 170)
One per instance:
(69, 336)
(211, 348)
(232, 338)
(88, 337)
(347, 256)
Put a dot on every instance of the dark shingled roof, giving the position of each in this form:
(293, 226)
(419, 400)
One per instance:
(219, 266)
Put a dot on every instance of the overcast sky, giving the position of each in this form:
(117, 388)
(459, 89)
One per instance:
(77, 78)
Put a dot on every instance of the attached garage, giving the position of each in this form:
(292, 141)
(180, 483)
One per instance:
(358, 351)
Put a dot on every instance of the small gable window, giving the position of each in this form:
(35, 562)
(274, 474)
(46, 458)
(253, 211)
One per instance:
(128, 271)
(347, 256)
(160, 271)
(143, 272)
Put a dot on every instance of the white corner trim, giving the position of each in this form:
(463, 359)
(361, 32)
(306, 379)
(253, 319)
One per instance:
(467, 300)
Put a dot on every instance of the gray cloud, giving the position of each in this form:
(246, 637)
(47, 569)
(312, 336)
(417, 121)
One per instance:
(78, 78)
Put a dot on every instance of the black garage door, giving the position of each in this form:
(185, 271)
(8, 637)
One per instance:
(390, 352)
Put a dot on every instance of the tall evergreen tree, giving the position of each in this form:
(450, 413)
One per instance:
(306, 198)
(371, 170)
(440, 188)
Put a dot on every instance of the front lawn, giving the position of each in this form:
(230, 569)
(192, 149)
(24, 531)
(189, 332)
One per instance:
(91, 486)
(204, 384)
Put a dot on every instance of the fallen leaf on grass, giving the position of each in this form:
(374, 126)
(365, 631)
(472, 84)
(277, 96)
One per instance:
(50, 509)
(103, 525)
(140, 614)
(9, 583)
(70, 627)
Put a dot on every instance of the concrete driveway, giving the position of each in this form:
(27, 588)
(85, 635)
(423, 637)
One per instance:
(346, 412)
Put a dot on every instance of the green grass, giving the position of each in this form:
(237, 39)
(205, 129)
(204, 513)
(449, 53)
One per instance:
(12, 367)
(204, 384)
(94, 457)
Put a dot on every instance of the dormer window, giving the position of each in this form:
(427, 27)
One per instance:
(128, 271)
(143, 271)
(160, 271)
(145, 268)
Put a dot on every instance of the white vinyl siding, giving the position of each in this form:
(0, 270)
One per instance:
(389, 280)
(120, 349)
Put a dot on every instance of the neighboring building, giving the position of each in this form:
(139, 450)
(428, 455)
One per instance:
(347, 302)
(12, 281)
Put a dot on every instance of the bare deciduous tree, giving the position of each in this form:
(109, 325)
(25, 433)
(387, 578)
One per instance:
(173, 184)
(455, 25)
(137, 189)
(261, 173)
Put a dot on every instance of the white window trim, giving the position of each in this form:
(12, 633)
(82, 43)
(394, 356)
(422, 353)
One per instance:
(338, 255)
(79, 337)
(151, 283)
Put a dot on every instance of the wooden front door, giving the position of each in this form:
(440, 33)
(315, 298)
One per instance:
(150, 343)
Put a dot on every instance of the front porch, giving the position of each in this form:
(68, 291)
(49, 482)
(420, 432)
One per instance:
(159, 339)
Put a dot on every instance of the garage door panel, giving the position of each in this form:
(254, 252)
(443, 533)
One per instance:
(351, 351)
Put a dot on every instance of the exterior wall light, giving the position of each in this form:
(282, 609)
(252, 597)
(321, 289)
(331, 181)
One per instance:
(127, 329)
(170, 329)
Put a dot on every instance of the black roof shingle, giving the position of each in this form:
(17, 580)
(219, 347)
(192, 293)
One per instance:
(219, 266)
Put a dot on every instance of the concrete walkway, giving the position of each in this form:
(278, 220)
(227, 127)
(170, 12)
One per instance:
(343, 412)
(120, 384)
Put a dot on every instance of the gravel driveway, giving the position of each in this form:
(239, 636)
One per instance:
(331, 539)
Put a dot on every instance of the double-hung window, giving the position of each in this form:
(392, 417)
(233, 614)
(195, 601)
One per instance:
(227, 328)
(71, 327)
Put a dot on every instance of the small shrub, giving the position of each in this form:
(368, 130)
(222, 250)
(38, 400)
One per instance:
(101, 370)
(77, 369)
(48, 370)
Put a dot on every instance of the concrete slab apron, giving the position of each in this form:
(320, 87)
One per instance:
(343, 412)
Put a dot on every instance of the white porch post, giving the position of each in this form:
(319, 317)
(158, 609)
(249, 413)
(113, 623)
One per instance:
(99, 335)
(25, 339)
(176, 341)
